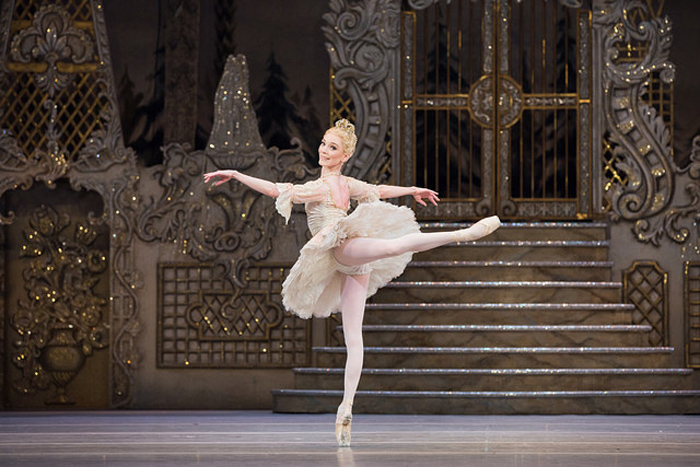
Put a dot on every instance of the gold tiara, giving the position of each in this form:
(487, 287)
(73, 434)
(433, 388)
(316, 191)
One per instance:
(345, 126)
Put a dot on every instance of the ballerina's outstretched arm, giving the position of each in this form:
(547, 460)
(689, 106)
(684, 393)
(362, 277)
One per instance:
(392, 191)
(263, 186)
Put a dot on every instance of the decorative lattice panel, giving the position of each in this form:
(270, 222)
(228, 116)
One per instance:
(692, 313)
(204, 323)
(341, 104)
(79, 10)
(646, 287)
(56, 87)
(27, 111)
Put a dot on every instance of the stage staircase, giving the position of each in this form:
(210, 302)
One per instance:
(527, 320)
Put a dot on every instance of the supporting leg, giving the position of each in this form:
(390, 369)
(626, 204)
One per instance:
(361, 250)
(352, 295)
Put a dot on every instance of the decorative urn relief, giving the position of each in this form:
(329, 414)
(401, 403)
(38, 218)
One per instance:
(62, 320)
(63, 358)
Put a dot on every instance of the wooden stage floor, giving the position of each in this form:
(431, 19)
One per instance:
(213, 438)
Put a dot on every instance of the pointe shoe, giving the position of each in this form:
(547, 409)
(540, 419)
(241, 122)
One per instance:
(481, 229)
(343, 425)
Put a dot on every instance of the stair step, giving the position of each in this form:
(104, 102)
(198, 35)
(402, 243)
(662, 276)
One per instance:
(507, 270)
(501, 357)
(497, 335)
(494, 402)
(519, 250)
(501, 313)
(534, 230)
(527, 320)
(465, 379)
(504, 291)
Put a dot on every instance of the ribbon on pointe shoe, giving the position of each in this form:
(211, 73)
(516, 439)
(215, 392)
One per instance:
(343, 425)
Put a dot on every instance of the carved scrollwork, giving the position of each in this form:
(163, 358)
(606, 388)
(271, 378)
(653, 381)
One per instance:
(640, 138)
(572, 3)
(671, 224)
(52, 42)
(363, 43)
(422, 4)
(180, 215)
(15, 169)
(206, 222)
(224, 223)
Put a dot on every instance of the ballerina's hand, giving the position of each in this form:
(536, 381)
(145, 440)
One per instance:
(219, 177)
(430, 195)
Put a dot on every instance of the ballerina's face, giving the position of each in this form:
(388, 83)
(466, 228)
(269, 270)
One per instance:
(331, 153)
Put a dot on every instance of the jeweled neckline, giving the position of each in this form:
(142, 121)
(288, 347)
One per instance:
(331, 174)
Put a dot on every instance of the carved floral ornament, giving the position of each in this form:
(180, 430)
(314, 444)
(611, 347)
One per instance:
(50, 47)
(46, 55)
(62, 320)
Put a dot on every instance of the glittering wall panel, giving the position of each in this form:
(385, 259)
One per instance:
(204, 323)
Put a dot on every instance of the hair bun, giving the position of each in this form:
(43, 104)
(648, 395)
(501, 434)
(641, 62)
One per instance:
(345, 125)
(347, 131)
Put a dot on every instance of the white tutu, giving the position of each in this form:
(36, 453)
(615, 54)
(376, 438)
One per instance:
(313, 285)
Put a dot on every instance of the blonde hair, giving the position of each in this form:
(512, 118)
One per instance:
(346, 130)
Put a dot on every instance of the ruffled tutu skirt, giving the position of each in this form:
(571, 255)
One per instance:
(313, 285)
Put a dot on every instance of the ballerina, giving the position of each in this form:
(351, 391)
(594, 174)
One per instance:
(351, 255)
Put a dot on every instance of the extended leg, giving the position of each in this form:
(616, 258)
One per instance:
(352, 295)
(361, 250)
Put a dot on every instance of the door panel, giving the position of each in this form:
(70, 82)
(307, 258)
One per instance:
(498, 108)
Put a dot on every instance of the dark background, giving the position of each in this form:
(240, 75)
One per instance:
(282, 40)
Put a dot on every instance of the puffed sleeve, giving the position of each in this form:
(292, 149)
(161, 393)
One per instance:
(283, 203)
(290, 194)
(362, 191)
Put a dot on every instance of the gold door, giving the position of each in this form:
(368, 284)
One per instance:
(496, 97)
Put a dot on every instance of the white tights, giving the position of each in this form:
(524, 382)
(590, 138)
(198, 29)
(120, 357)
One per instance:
(361, 250)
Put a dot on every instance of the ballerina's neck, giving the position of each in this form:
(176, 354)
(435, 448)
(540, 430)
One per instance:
(330, 174)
